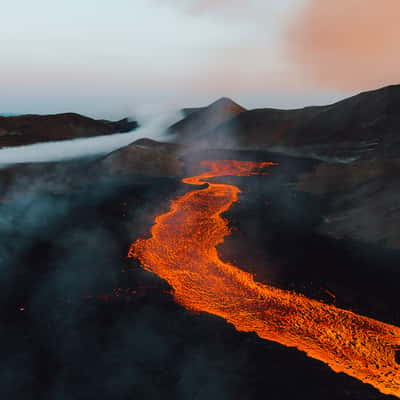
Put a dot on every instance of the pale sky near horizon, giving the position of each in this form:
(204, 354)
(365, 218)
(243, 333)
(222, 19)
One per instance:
(111, 58)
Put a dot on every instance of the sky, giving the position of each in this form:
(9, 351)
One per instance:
(114, 58)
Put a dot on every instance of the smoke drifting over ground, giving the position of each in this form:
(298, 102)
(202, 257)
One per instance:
(153, 128)
(347, 44)
(60, 341)
(64, 251)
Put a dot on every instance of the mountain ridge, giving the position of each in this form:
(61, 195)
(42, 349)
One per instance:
(357, 127)
(33, 128)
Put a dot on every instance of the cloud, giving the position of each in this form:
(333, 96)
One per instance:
(154, 128)
(347, 44)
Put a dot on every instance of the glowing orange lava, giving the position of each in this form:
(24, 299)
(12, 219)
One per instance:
(182, 250)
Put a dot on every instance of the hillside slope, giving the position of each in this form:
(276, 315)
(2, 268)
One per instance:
(364, 126)
(28, 129)
(199, 122)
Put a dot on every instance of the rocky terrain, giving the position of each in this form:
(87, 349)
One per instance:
(361, 198)
(28, 129)
(82, 321)
(356, 140)
(365, 126)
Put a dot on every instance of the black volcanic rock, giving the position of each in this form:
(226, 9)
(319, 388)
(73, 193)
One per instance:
(364, 126)
(144, 157)
(73, 303)
(28, 129)
(361, 200)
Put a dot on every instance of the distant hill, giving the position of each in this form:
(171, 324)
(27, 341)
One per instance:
(145, 157)
(140, 161)
(363, 126)
(187, 111)
(28, 129)
(357, 140)
(199, 122)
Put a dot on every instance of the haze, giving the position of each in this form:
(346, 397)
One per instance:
(110, 59)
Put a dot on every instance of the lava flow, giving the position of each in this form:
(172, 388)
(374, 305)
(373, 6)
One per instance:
(182, 250)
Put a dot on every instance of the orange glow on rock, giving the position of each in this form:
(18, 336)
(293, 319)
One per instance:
(182, 250)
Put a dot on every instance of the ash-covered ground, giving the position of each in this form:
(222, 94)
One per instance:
(81, 321)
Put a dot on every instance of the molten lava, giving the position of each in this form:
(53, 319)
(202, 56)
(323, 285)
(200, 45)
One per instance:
(182, 250)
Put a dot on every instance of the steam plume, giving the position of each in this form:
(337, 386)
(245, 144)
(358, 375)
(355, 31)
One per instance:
(77, 148)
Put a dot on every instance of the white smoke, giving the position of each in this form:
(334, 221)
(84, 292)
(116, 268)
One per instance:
(153, 128)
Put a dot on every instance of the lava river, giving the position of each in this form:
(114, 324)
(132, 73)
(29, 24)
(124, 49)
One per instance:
(182, 251)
